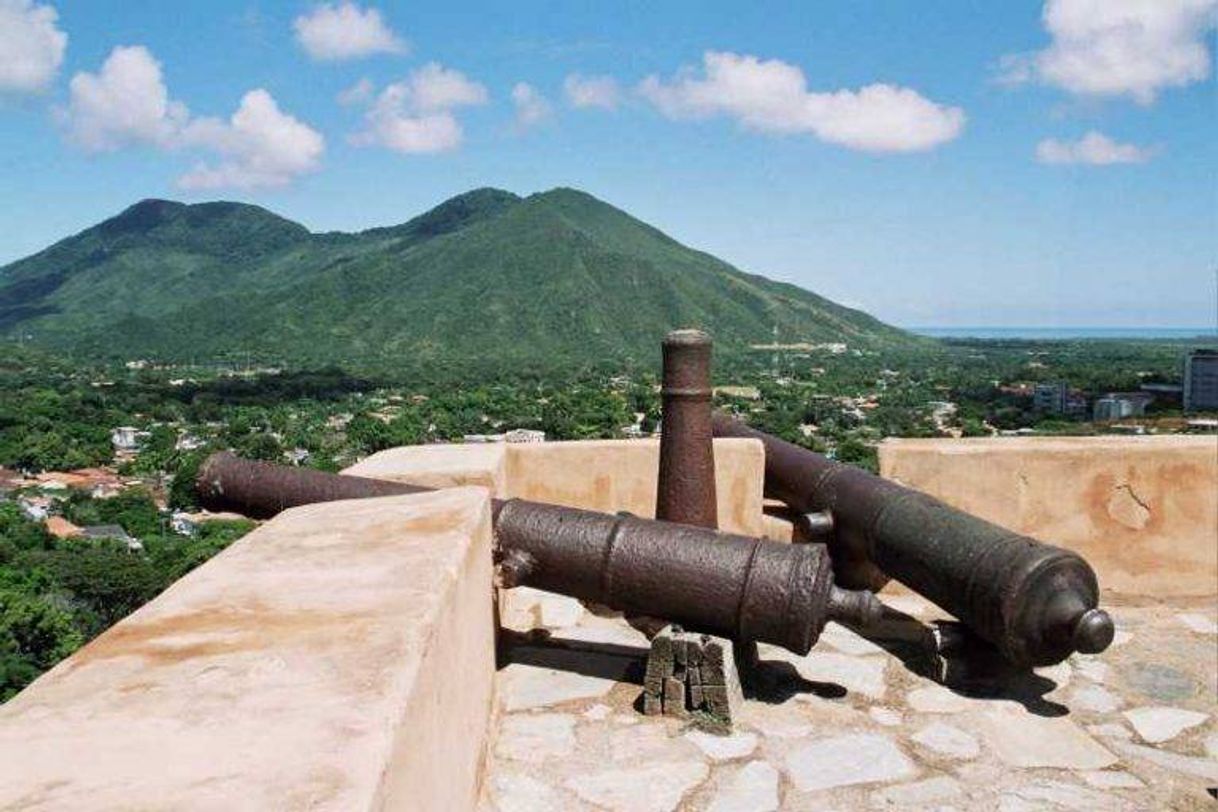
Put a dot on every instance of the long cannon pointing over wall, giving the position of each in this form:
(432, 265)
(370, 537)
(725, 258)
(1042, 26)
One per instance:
(1037, 603)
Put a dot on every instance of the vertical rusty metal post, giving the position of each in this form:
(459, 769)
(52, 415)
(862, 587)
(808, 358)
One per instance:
(685, 491)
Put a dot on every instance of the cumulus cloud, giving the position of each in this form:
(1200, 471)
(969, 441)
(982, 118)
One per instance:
(126, 103)
(1119, 47)
(1094, 148)
(260, 146)
(592, 91)
(31, 46)
(531, 107)
(416, 115)
(334, 32)
(771, 96)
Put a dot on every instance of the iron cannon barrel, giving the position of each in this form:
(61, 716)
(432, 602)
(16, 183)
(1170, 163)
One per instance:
(705, 580)
(685, 487)
(261, 490)
(1035, 602)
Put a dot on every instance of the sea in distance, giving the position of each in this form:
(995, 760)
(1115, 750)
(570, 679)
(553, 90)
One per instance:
(1066, 333)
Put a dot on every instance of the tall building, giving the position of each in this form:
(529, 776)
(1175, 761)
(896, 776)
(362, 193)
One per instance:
(1058, 398)
(1118, 405)
(1201, 381)
(1050, 397)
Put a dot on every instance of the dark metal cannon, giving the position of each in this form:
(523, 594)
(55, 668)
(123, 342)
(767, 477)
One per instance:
(707, 581)
(685, 487)
(1035, 602)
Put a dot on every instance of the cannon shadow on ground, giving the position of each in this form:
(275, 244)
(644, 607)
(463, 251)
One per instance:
(949, 654)
(968, 665)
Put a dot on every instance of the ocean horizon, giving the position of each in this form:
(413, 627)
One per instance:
(1057, 333)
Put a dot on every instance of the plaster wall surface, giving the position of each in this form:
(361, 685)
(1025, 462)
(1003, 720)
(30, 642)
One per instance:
(604, 475)
(299, 669)
(1142, 510)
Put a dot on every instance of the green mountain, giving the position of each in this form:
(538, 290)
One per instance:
(485, 275)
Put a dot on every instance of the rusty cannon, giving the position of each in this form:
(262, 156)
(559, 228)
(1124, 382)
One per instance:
(1035, 602)
(707, 581)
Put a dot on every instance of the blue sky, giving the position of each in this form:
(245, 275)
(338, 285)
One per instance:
(956, 163)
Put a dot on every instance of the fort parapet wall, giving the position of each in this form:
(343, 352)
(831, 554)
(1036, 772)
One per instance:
(1142, 510)
(341, 656)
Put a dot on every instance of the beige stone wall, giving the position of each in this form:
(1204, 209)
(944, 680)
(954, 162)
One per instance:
(340, 657)
(1142, 510)
(605, 475)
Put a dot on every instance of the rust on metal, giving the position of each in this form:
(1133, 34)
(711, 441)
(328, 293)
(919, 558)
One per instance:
(1035, 602)
(261, 489)
(705, 580)
(685, 489)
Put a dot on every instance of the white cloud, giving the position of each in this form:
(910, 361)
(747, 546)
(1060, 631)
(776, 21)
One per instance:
(435, 87)
(31, 46)
(124, 103)
(771, 96)
(358, 93)
(1094, 148)
(340, 31)
(416, 115)
(531, 107)
(592, 91)
(1119, 47)
(260, 144)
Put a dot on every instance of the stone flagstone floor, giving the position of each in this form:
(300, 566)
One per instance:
(859, 723)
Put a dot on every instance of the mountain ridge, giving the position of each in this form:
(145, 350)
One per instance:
(555, 274)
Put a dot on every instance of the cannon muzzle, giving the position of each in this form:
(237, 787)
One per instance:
(707, 581)
(1035, 602)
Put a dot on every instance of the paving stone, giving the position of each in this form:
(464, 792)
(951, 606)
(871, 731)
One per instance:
(919, 794)
(723, 748)
(751, 788)
(559, 611)
(936, 699)
(860, 675)
(1120, 638)
(598, 712)
(1205, 768)
(1091, 669)
(1112, 779)
(1211, 744)
(1160, 724)
(773, 721)
(848, 641)
(516, 608)
(1059, 673)
(913, 605)
(1023, 739)
(1059, 794)
(884, 716)
(1160, 682)
(525, 686)
(1110, 730)
(1198, 623)
(649, 788)
(857, 758)
(535, 737)
(651, 742)
(947, 740)
(1095, 699)
(512, 792)
(607, 631)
